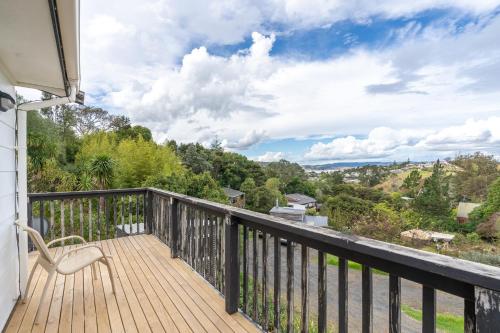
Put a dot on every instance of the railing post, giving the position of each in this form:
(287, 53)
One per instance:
(148, 206)
(487, 310)
(232, 273)
(174, 229)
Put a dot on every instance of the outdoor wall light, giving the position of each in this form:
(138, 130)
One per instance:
(6, 102)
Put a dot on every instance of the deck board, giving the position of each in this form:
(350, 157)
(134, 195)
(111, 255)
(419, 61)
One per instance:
(154, 293)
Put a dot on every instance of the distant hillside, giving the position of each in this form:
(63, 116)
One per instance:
(342, 165)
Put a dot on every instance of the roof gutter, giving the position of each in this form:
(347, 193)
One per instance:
(30, 106)
(60, 51)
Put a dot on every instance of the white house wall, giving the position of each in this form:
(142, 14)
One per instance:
(9, 259)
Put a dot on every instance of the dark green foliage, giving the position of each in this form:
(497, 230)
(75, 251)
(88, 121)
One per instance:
(289, 174)
(365, 193)
(477, 172)
(434, 198)
(412, 183)
(491, 206)
(101, 170)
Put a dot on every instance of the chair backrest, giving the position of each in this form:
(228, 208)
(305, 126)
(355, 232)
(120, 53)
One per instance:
(40, 245)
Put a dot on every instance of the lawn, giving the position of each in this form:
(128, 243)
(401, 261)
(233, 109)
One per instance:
(334, 261)
(445, 322)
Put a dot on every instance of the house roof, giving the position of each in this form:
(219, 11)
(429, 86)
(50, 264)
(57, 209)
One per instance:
(40, 44)
(464, 208)
(232, 193)
(300, 199)
(287, 210)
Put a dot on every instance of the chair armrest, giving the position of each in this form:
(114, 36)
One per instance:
(66, 238)
(65, 254)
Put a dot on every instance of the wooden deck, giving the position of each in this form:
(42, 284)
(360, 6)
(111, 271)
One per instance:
(154, 293)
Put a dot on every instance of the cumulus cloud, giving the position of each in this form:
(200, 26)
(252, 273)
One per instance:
(383, 142)
(270, 156)
(142, 62)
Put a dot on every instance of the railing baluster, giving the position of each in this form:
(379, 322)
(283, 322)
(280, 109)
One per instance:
(245, 269)
(265, 304)
(42, 224)
(277, 282)
(428, 309)
(394, 304)
(71, 221)
(469, 316)
(255, 272)
(343, 295)
(99, 225)
(289, 285)
(115, 213)
(147, 230)
(322, 292)
(137, 222)
(367, 299)
(199, 240)
(213, 251)
(174, 229)
(80, 211)
(106, 215)
(305, 288)
(62, 221)
(130, 215)
(52, 219)
(122, 213)
(90, 220)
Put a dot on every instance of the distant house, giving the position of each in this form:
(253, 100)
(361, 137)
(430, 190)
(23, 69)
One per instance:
(236, 198)
(464, 209)
(301, 199)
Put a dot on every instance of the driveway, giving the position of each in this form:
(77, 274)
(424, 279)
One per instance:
(411, 292)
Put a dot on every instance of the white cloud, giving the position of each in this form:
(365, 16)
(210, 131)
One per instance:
(270, 156)
(431, 79)
(383, 142)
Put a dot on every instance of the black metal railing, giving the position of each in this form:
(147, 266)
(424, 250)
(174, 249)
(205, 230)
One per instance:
(264, 266)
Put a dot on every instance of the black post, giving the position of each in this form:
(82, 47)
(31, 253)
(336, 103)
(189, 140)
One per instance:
(174, 228)
(232, 273)
(149, 211)
(487, 310)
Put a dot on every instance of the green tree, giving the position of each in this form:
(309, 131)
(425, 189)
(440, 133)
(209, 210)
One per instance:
(476, 172)
(434, 198)
(205, 187)
(248, 187)
(412, 183)
(101, 170)
(492, 205)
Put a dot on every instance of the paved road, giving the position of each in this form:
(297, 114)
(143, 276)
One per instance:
(411, 292)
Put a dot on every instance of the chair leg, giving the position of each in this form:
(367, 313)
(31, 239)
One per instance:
(49, 278)
(25, 296)
(111, 277)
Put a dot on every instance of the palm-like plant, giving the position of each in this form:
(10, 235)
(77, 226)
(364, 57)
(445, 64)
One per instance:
(102, 169)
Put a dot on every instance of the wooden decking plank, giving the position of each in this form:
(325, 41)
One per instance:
(157, 306)
(52, 324)
(196, 309)
(122, 303)
(153, 293)
(236, 321)
(103, 323)
(90, 317)
(183, 308)
(177, 320)
(200, 286)
(134, 287)
(78, 317)
(21, 309)
(223, 322)
(115, 320)
(66, 316)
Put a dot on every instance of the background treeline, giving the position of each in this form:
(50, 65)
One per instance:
(73, 148)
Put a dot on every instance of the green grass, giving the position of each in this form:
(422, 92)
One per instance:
(334, 261)
(445, 322)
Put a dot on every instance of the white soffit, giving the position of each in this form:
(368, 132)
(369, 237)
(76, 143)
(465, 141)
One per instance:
(29, 53)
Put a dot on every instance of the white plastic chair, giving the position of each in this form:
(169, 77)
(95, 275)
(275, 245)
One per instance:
(67, 263)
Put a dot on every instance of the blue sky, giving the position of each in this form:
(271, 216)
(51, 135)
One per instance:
(311, 81)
